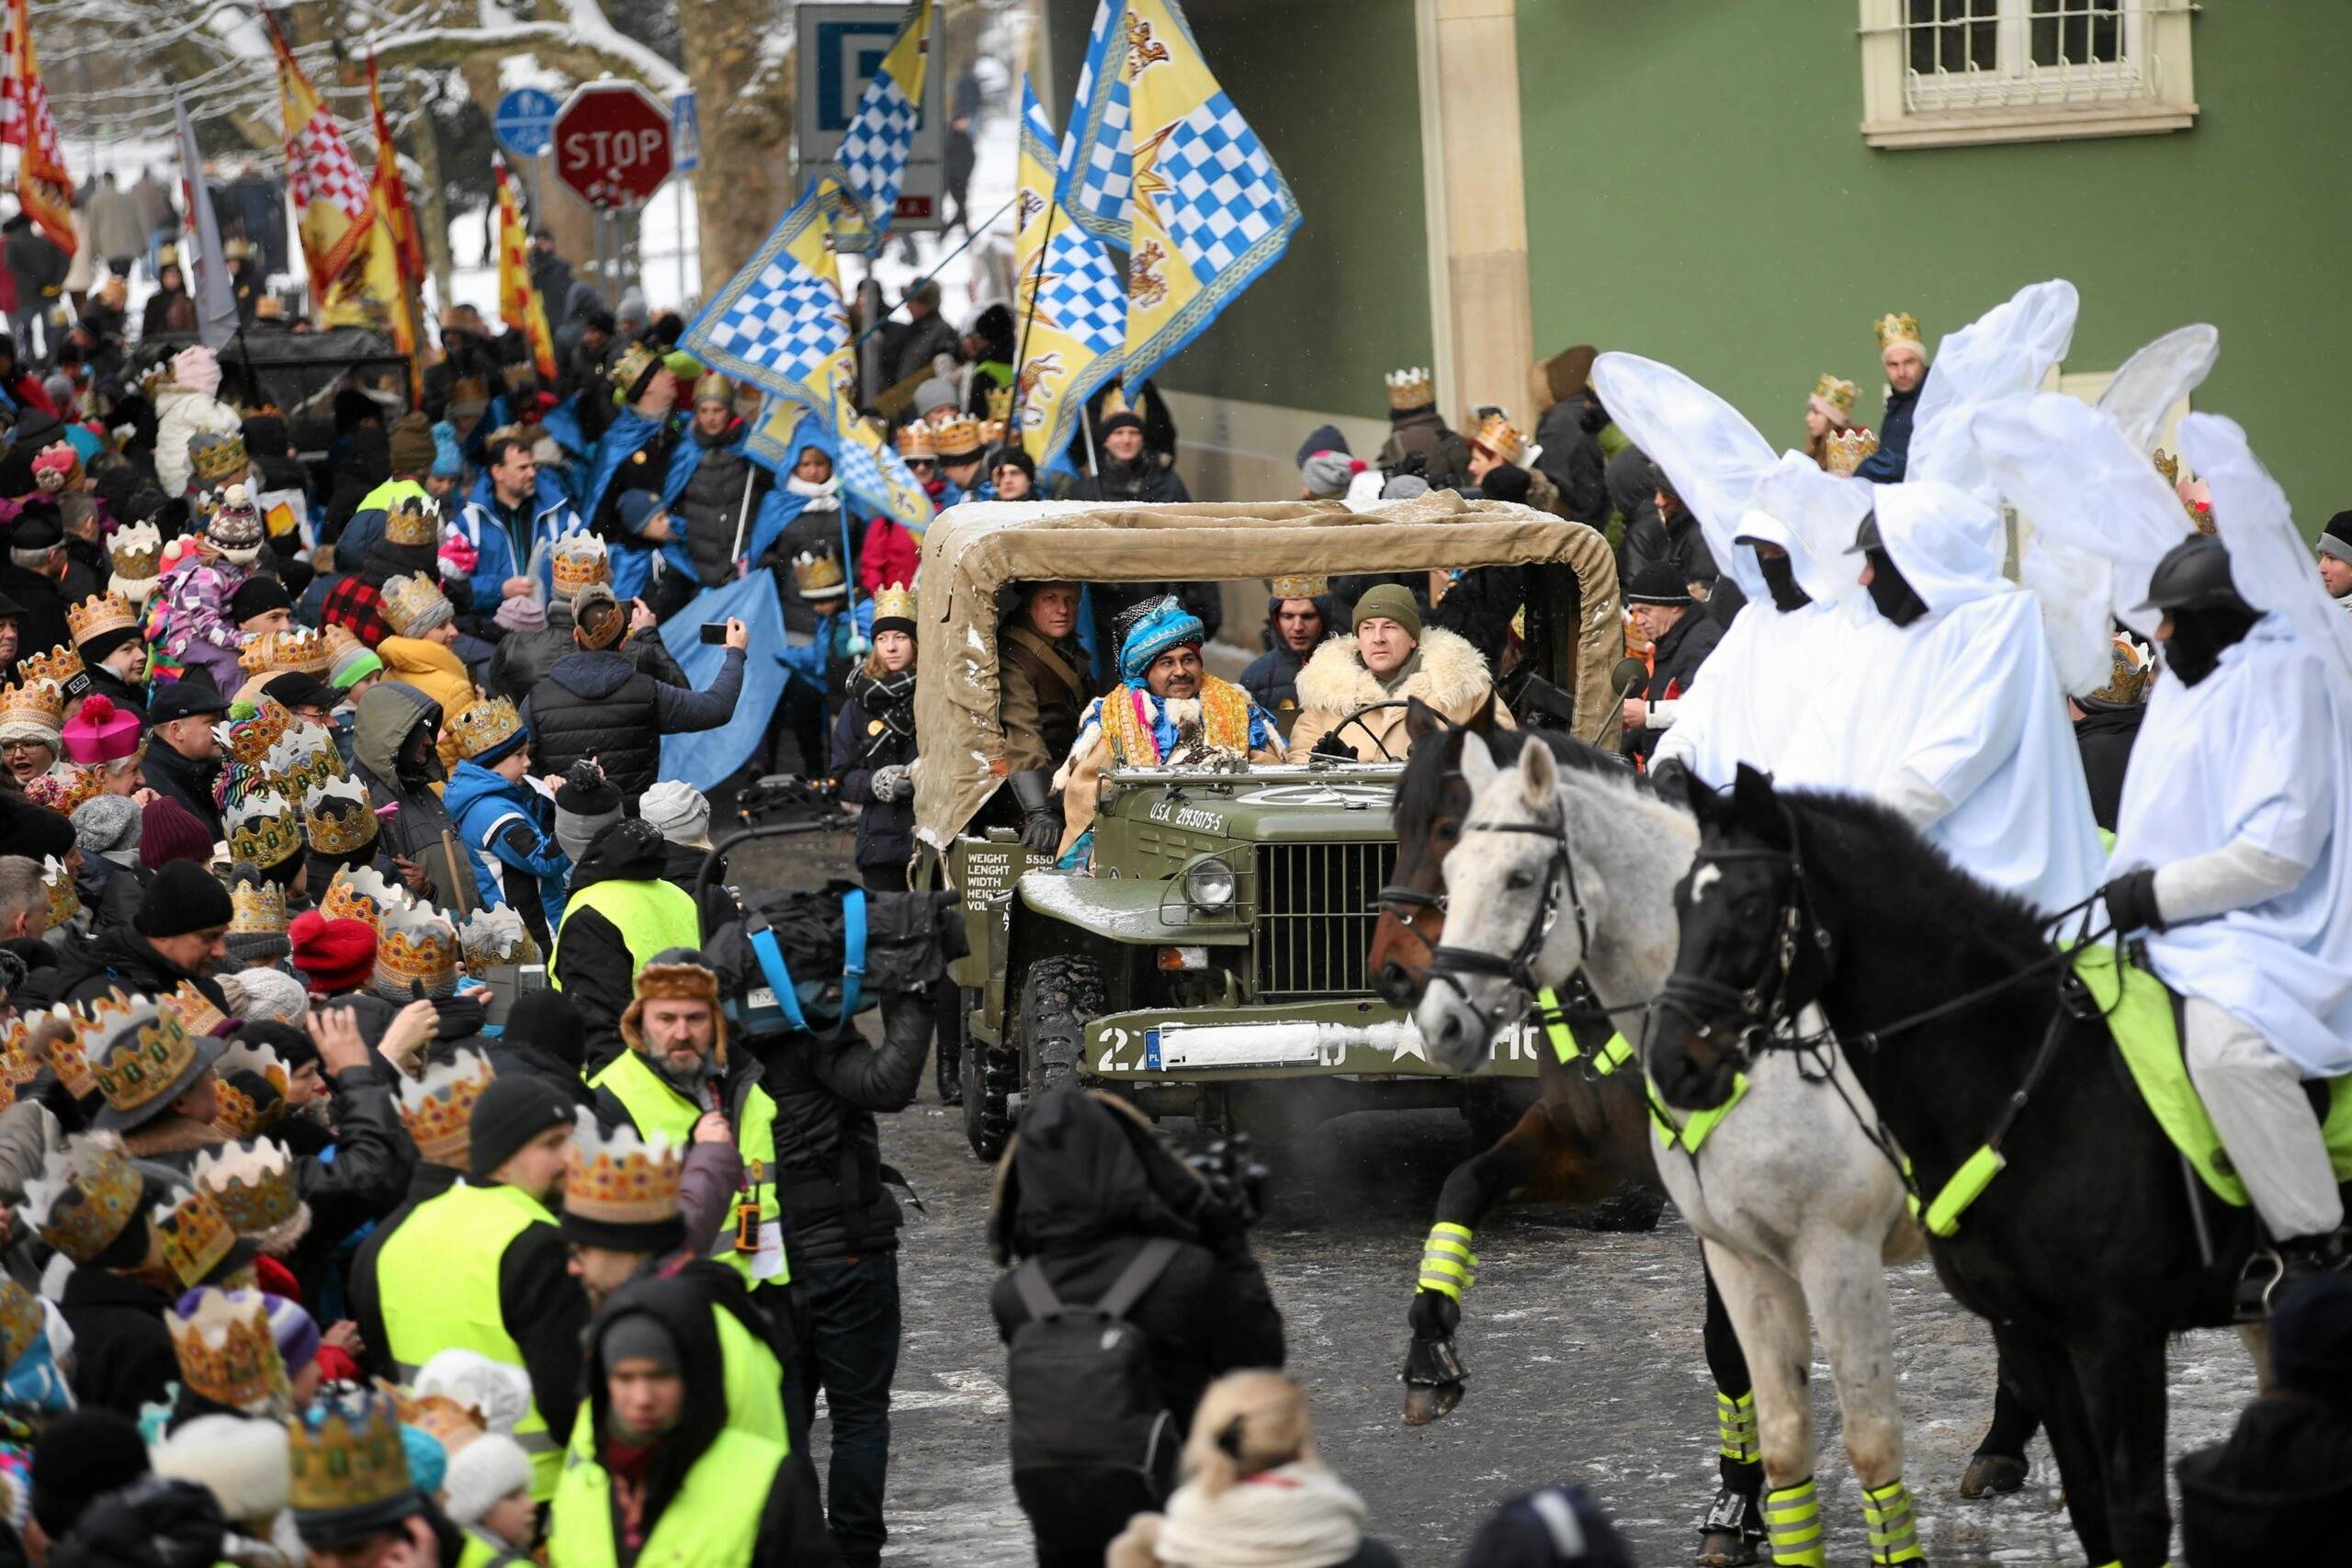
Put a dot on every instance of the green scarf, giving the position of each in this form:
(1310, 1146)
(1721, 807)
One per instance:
(1399, 676)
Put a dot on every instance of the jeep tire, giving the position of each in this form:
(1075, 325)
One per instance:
(989, 1076)
(1059, 997)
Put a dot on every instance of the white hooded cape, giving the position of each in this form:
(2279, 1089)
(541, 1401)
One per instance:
(1963, 701)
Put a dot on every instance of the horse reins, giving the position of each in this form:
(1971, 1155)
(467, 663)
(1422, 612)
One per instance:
(1450, 964)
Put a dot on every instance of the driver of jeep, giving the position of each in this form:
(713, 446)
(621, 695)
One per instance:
(1166, 711)
(1352, 695)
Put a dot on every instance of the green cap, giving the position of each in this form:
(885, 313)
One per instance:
(1391, 602)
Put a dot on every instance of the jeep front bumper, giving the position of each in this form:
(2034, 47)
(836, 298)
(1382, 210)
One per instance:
(1335, 1039)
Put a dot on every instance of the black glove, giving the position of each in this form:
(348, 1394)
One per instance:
(1332, 746)
(1042, 830)
(1041, 825)
(2131, 902)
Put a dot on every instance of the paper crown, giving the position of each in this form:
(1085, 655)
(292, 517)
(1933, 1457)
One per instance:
(1115, 401)
(819, 576)
(1835, 397)
(360, 893)
(2129, 669)
(343, 644)
(258, 906)
(244, 1114)
(894, 602)
(1900, 326)
(21, 1322)
(408, 600)
(264, 831)
(273, 652)
(304, 758)
(485, 724)
(57, 885)
(99, 615)
(247, 736)
(86, 1196)
(1502, 439)
(62, 1036)
(137, 553)
(217, 459)
(40, 704)
(632, 365)
(227, 1352)
(413, 522)
(193, 1008)
(1846, 448)
(958, 435)
(438, 1109)
(2167, 464)
(195, 1236)
(253, 1183)
(1414, 388)
(148, 1054)
(999, 421)
(1301, 587)
(915, 440)
(60, 664)
(20, 1059)
(492, 938)
(344, 1456)
(621, 1180)
(416, 947)
(338, 819)
(448, 1419)
(580, 559)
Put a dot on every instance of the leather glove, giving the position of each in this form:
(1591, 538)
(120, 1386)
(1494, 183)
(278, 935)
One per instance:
(1041, 824)
(1332, 745)
(2130, 901)
(887, 784)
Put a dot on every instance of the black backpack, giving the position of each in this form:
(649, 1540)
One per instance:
(1087, 1410)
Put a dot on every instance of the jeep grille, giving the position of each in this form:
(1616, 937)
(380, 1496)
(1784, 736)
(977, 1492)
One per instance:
(1315, 917)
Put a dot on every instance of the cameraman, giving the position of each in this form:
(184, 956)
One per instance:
(1085, 1183)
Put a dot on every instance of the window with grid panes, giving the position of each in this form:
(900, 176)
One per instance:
(1942, 72)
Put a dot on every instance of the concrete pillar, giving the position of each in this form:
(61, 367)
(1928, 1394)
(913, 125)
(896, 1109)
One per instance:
(1476, 203)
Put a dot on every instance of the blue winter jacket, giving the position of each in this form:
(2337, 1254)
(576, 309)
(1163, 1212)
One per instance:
(509, 831)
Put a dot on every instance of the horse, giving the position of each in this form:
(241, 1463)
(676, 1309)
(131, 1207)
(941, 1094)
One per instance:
(1797, 1206)
(2084, 1251)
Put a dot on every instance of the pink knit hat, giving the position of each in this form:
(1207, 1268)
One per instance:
(101, 732)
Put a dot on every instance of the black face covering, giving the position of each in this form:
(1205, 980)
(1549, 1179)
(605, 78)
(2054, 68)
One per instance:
(1781, 577)
(1892, 592)
(2199, 637)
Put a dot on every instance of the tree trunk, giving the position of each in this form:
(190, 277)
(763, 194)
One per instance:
(746, 103)
(432, 212)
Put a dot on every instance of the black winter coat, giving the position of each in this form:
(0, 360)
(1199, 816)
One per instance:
(1572, 459)
(715, 502)
(2104, 737)
(1674, 664)
(1681, 544)
(1145, 480)
(1887, 465)
(176, 778)
(523, 660)
(42, 626)
(2275, 1492)
(600, 705)
(593, 966)
(863, 744)
(122, 1352)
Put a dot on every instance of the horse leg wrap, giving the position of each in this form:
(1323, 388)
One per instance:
(1735, 1428)
(1793, 1522)
(1894, 1535)
(1448, 1266)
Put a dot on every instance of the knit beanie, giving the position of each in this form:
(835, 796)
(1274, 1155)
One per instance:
(354, 665)
(267, 996)
(512, 1111)
(482, 1473)
(523, 614)
(1506, 481)
(586, 805)
(546, 1020)
(679, 811)
(198, 368)
(639, 1337)
(81, 1457)
(929, 394)
(1392, 600)
(447, 462)
(2335, 539)
(169, 833)
(106, 822)
(411, 444)
(428, 1459)
(184, 897)
(1325, 474)
(258, 595)
(334, 956)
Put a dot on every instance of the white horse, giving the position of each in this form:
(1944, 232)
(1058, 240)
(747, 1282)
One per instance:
(1796, 1207)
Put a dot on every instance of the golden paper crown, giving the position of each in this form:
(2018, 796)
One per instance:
(1900, 327)
(408, 599)
(486, 723)
(21, 1322)
(242, 1115)
(416, 946)
(2167, 465)
(62, 1036)
(579, 559)
(819, 576)
(264, 831)
(193, 1008)
(1502, 439)
(20, 1059)
(894, 601)
(228, 1354)
(958, 435)
(86, 1195)
(1301, 587)
(456, 1424)
(1846, 448)
(999, 404)
(304, 758)
(631, 364)
(1414, 388)
(137, 1072)
(1115, 401)
(247, 736)
(64, 789)
(622, 1180)
(37, 703)
(218, 461)
(2128, 674)
(60, 664)
(341, 643)
(360, 893)
(57, 882)
(493, 938)
(253, 1183)
(413, 522)
(344, 1453)
(99, 615)
(1838, 394)
(235, 1113)
(338, 818)
(915, 440)
(195, 1236)
(272, 652)
(258, 905)
(137, 551)
(438, 1109)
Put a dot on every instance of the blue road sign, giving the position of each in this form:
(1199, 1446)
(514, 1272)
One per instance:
(686, 134)
(848, 52)
(525, 121)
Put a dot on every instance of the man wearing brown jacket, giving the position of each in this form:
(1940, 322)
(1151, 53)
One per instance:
(1041, 686)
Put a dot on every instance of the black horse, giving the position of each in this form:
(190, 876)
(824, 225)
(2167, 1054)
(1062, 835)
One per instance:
(2083, 1252)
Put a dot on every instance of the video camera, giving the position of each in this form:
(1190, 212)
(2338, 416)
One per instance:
(1237, 1183)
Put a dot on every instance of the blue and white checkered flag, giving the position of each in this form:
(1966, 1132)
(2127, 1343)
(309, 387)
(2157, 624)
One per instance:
(1095, 177)
(872, 159)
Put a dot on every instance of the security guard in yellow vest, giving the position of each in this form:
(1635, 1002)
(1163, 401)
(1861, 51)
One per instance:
(617, 917)
(654, 1476)
(623, 1220)
(482, 1267)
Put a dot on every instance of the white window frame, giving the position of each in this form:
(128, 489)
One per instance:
(2152, 91)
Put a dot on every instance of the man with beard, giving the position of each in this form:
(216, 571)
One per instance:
(1905, 355)
(1298, 617)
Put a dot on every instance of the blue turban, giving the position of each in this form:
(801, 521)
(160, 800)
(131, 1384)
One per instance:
(1168, 625)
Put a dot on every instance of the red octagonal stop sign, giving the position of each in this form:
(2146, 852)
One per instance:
(612, 144)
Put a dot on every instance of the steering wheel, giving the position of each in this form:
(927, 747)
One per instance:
(1356, 719)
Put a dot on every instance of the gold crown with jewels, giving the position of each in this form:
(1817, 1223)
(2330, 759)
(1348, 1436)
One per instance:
(62, 1036)
(1847, 449)
(579, 559)
(958, 435)
(137, 1072)
(408, 599)
(345, 1453)
(360, 893)
(20, 1061)
(915, 441)
(218, 460)
(60, 664)
(484, 723)
(21, 1322)
(40, 704)
(228, 1354)
(1413, 389)
(894, 601)
(251, 729)
(193, 1008)
(195, 1236)
(1301, 587)
(253, 1183)
(57, 883)
(137, 553)
(86, 1197)
(100, 613)
(819, 576)
(274, 652)
(1838, 393)
(416, 946)
(1500, 436)
(241, 1114)
(1900, 326)
(413, 522)
(338, 819)
(258, 905)
(303, 758)
(621, 1180)
(264, 831)
(438, 1109)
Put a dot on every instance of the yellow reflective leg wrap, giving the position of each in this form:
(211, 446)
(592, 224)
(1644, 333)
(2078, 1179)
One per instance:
(1793, 1521)
(1447, 1262)
(1735, 1428)
(1894, 1535)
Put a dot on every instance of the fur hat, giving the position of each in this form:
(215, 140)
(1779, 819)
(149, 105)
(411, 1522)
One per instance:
(676, 974)
(241, 1460)
(485, 1471)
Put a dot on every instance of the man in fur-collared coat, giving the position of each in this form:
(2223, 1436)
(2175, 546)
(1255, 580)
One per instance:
(1388, 658)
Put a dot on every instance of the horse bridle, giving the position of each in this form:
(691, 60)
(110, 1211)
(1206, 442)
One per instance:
(1450, 963)
(1762, 1005)
(1412, 898)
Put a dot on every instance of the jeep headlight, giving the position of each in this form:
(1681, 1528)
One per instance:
(1209, 884)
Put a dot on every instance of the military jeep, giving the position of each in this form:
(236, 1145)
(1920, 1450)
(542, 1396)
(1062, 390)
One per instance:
(1210, 959)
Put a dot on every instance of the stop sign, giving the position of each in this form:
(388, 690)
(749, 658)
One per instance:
(612, 144)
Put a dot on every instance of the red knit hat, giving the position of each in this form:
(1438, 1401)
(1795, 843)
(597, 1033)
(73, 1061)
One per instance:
(334, 956)
(101, 732)
(170, 831)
